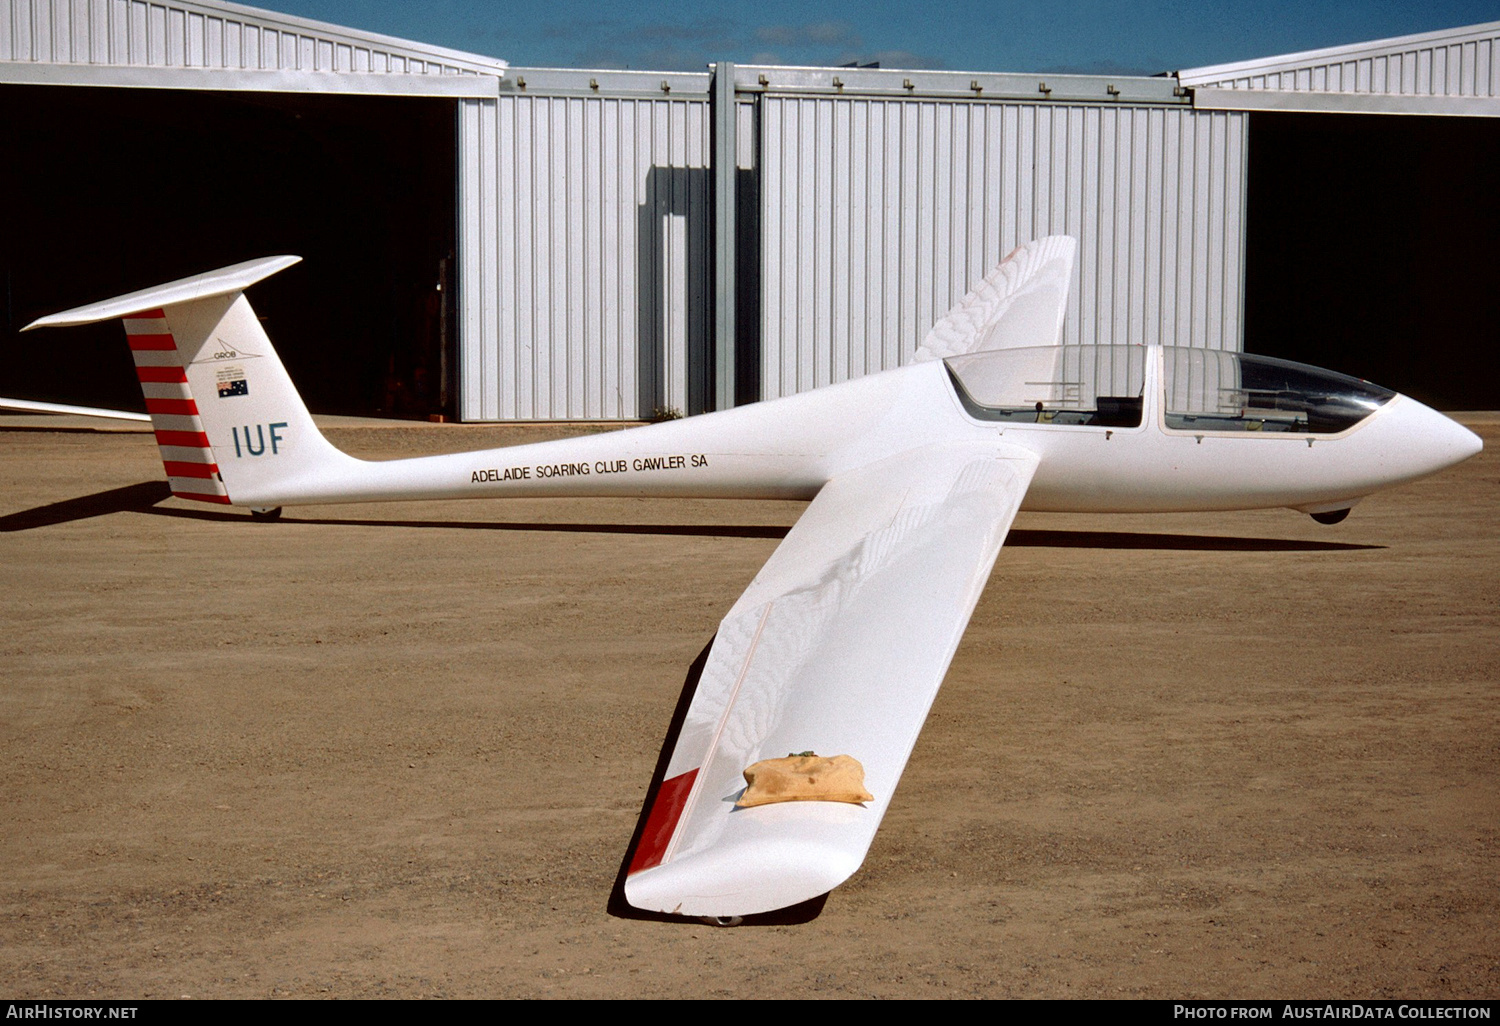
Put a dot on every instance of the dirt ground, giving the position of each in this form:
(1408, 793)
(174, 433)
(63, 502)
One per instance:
(401, 749)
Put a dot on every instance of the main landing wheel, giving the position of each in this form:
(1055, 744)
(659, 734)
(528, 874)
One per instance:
(1333, 516)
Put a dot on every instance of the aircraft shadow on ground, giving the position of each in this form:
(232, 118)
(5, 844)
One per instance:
(136, 498)
(1029, 538)
(144, 498)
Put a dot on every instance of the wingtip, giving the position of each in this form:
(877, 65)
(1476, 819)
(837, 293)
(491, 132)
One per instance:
(1022, 301)
(742, 880)
(1048, 245)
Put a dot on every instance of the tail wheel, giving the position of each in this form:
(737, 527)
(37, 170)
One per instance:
(267, 514)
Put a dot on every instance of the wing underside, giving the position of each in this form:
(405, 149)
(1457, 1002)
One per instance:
(838, 646)
(1021, 302)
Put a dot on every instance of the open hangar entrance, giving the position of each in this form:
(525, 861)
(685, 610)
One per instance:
(116, 189)
(1371, 248)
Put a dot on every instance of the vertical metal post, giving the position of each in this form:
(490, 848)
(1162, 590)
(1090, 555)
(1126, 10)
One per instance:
(725, 167)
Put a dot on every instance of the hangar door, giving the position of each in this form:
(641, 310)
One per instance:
(111, 190)
(1370, 248)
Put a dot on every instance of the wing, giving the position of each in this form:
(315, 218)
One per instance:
(838, 646)
(28, 406)
(1020, 303)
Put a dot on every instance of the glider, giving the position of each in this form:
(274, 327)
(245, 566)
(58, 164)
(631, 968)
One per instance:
(914, 476)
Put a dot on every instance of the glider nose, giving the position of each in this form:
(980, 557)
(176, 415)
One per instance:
(1436, 442)
(1452, 442)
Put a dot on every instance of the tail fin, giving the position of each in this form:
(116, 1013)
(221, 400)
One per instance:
(229, 423)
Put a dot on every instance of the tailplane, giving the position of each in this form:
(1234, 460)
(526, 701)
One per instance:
(229, 423)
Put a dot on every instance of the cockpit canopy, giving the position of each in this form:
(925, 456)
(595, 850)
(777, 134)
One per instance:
(1097, 386)
(1205, 389)
(1212, 390)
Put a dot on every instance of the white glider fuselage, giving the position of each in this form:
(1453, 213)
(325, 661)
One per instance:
(914, 477)
(789, 448)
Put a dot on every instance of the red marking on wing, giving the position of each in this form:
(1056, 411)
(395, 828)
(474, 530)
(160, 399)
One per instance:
(661, 821)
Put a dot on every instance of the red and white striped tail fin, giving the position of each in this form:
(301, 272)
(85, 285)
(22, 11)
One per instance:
(185, 451)
(229, 422)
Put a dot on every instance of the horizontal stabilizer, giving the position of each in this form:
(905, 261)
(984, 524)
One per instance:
(200, 286)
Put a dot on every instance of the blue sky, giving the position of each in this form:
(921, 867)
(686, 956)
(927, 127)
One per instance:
(1085, 36)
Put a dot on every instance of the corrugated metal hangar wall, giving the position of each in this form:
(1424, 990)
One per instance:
(630, 243)
(880, 211)
(869, 202)
(585, 214)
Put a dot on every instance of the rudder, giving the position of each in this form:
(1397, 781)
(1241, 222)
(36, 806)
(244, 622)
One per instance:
(186, 454)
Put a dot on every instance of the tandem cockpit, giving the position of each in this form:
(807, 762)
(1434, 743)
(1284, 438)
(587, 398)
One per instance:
(1201, 390)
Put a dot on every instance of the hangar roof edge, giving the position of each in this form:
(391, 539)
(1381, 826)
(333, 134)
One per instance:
(1219, 73)
(165, 36)
(350, 34)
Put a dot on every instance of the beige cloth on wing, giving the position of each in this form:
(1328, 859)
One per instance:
(805, 778)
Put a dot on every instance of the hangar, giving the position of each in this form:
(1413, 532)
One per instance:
(1372, 211)
(487, 243)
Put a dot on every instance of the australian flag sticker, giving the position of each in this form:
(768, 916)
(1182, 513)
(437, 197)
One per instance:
(231, 381)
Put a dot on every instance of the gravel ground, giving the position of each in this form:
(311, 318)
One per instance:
(402, 749)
